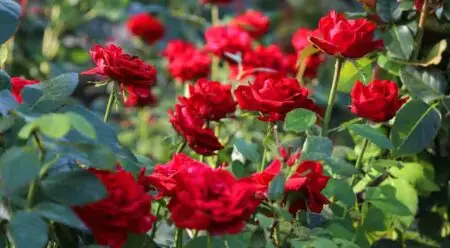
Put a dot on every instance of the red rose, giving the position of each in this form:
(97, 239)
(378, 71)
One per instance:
(190, 65)
(261, 61)
(419, 4)
(378, 101)
(187, 123)
(17, 85)
(212, 200)
(254, 22)
(126, 209)
(126, 69)
(274, 97)
(339, 36)
(300, 38)
(308, 180)
(163, 176)
(146, 26)
(211, 100)
(138, 97)
(176, 47)
(227, 39)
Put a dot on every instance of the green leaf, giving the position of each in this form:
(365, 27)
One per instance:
(399, 42)
(258, 239)
(407, 196)
(299, 120)
(9, 19)
(202, 242)
(427, 85)
(341, 190)
(102, 157)
(351, 73)
(264, 221)
(373, 135)
(7, 102)
(249, 151)
(420, 174)
(59, 88)
(78, 187)
(18, 167)
(28, 230)
(5, 81)
(139, 241)
(389, 64)
(384, 198)
(59, 213)
(81, 125)
(414, 128)
(340, 231)
(317, 148)
(446, 10)
(386, 8)
(6, 123)
(3, 55)
(276, 187)
(54, 125)
(233, 241)
(340, 167)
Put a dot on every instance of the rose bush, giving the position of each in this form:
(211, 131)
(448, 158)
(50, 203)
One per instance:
(224, 124)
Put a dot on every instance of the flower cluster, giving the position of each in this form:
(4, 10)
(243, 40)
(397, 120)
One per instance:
(186, 62)
(208, 101)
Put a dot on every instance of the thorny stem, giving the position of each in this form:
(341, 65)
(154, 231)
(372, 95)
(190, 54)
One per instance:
(181, 147)
(420, 29)
(332, 96)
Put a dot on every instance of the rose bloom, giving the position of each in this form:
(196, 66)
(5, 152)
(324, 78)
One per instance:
(261, 61)
(274, 97)
(187, 123)
(227, 39)
(303, 187)
(212, 200)
(126, 209)
(126, 69)
(176, 47)
(254, 22)
(300, 38)
(146, 27)
(339, 36)
(17, 85)
(162, 179)
(378, 101)
(211, 100)
(133, 99)
(190, 65)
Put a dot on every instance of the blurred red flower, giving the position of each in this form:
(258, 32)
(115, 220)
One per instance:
(378, 101)
(147, 27)
(227, 39)
(133, 98)
(339, 36)
(126, 209)
(253, 22)
(17, 85)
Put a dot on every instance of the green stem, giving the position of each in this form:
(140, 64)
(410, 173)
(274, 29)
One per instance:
(420, 29)
(111, 100)
(181, 147)
(332, 95)
(179, 238)
(359, 164)
(215, 60)
(217, 134)
(35, 183)
(215, 19)
(268, 135)
(158, 209)
(210, 243)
